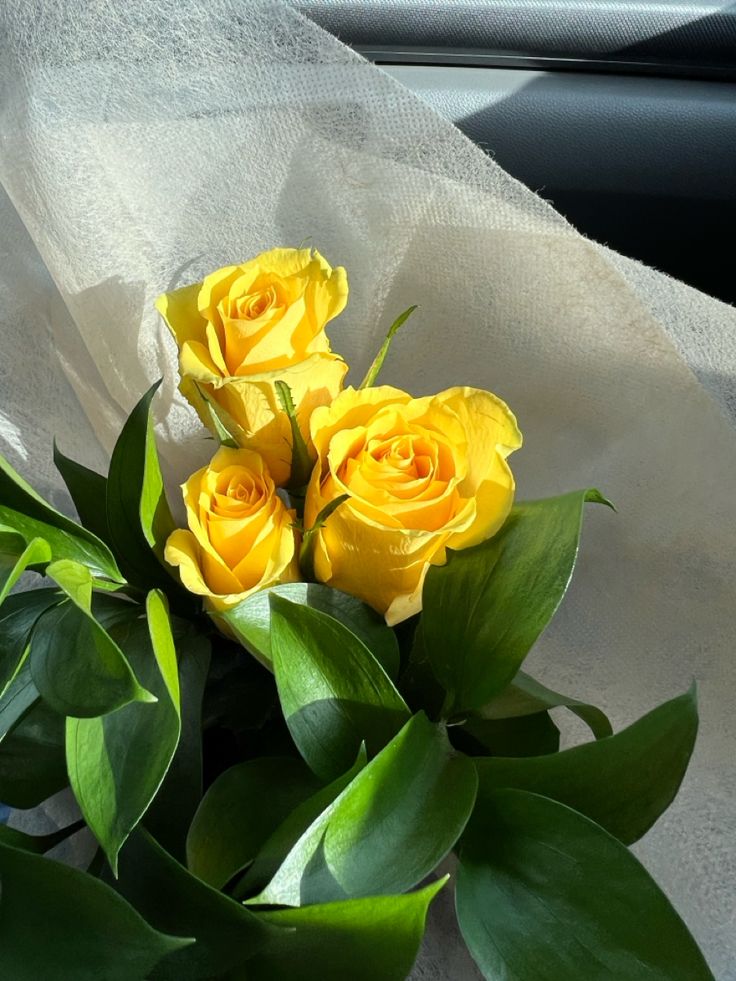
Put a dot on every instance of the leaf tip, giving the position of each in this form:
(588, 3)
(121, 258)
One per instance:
(144, 695)
(692, 696)
(594, 496)
(279, 604)
(112, 858)
(439, 884)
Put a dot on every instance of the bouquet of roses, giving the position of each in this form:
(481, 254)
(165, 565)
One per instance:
(279, 721)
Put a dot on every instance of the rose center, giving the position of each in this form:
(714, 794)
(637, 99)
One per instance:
(255, 305)
(393, 470)
(406, 457)
(238, 495)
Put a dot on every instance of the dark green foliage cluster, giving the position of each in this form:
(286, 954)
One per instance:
(273, 803)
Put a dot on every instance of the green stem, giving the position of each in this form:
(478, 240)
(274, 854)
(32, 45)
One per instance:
(374, 369)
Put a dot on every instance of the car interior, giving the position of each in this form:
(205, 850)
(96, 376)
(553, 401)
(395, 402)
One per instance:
(622, 114)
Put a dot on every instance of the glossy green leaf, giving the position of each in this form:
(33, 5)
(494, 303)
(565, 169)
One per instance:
(250, 621)
(162, 642)
(543, 892)
(57, 922)
(32, 765)
(35, 752)
(301, 461)
(418, 683)
(12, 546)
(111, 610)
(79, 584)
(17, 618)
(170, 815)
(30, 516)
(486, 607)
(138, 516)
(360, 939)
(528, 735)
(221, 423)
(17, 699)
(525, 696)
(16, 557)
(76, 665)
(19, 839)
(334, 694)
(75, 580)
(174, 901)
(388, 829)
(281, 841)
(623, 782)
(118, 761)
(88, 491)
(239, 812)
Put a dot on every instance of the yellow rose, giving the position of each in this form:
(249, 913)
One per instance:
(422, 475)
(244, 328)
(240, 536)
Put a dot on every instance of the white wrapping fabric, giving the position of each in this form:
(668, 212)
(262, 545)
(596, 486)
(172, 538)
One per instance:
(146, 143)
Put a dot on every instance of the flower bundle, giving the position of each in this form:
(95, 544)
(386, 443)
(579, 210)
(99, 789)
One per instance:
(279, 721)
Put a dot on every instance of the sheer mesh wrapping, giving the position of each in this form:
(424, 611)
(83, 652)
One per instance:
(146, 143)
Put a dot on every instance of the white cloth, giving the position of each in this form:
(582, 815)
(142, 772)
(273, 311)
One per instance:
(146, 143)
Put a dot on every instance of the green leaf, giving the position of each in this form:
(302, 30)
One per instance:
(170, 815)
(20, 840)
(31, 517)
(118, 761)
(17, 618)
(280, 842)
(333, 692)
(18, 693)
(176, 902)
(75, 580)
(221, 423)
(138, 515)
(528, 735)
(486, 607)
(57, 922)
(16, 557)
(76, 665)
(17, 699)
(239, 812)
(32, 766)
(12, 546)
(162, 642)
(623, 782)
(359, 939)
(88, 491)
(526, 696)
(111, 610)
(388, 829)
(418, 683)
(309, 537)
(543, 892)
(250, 621)
(375, 368)
(301, 462)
